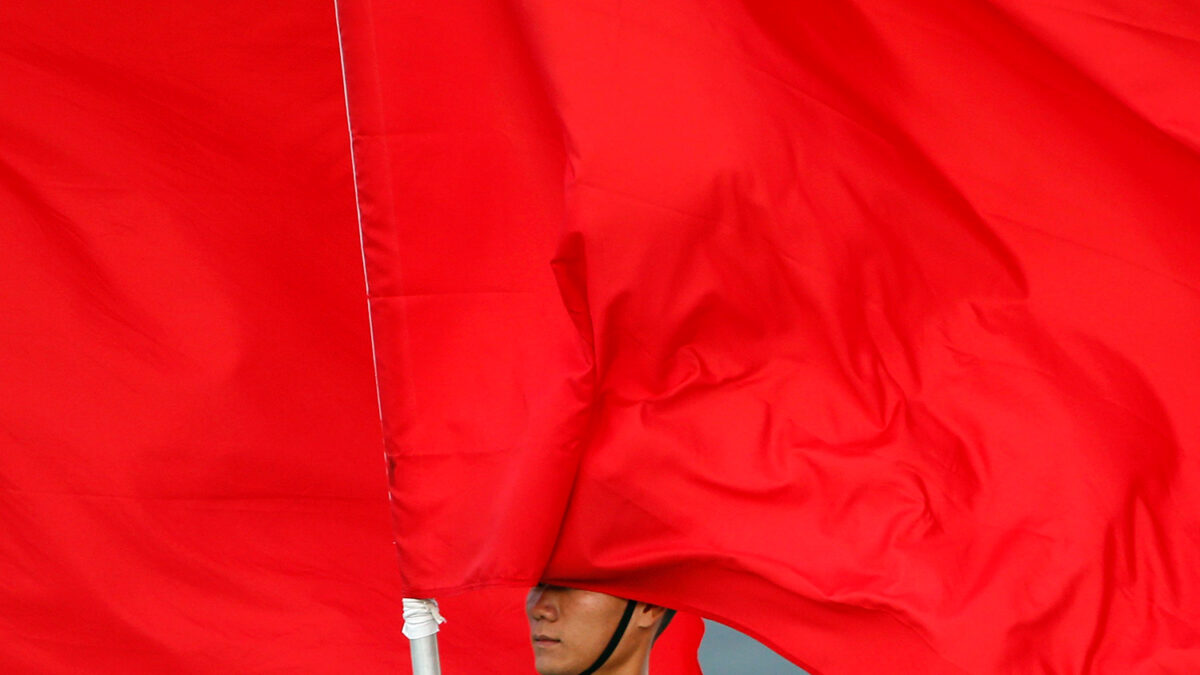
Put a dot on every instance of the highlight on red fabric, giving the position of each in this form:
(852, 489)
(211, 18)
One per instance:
(190, 470)
(867, 327)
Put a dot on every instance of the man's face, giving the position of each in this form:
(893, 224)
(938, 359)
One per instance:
(570, 627)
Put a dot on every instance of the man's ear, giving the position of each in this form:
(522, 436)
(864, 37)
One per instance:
(647, 615)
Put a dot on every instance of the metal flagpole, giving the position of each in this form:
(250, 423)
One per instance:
(425, 656)
(421, 619)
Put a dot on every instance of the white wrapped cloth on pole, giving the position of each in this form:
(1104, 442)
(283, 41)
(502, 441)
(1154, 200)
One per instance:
(421, 621)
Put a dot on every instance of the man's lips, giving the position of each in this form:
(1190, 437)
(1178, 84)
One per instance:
(540, 640)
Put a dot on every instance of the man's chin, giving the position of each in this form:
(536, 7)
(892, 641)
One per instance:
(547, 664)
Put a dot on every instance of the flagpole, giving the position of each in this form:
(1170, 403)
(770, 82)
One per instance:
(425, 656)
(421, 619)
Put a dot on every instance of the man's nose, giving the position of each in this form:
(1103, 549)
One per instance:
(541, 604)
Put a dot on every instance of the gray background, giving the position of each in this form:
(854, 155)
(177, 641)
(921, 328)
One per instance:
(725, 651)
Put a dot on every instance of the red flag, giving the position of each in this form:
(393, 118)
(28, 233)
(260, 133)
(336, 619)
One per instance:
(868, 327)
(190, 479)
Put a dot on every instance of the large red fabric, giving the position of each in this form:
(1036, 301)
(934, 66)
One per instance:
(869, 326)
(190, 470)
(189, 474)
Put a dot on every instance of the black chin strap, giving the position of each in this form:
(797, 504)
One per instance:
(666, 619)
(615, 640)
